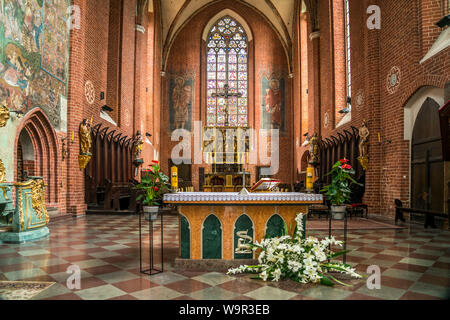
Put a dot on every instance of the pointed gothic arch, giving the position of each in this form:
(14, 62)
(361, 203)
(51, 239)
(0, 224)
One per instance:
(45, 149)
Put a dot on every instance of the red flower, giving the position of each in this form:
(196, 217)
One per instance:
(346, 166)
(343, 160)
(156, 162)
(155, 188)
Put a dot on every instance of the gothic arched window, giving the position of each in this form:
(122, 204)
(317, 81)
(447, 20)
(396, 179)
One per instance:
(227, 71)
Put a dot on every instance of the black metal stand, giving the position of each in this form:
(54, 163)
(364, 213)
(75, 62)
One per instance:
(344, 259)
(152, 270)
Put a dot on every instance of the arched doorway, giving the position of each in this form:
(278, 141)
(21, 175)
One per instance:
(37, 153)
(25, 157)
(427, 166)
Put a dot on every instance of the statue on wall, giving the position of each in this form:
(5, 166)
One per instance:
(314, 151)
(85, 137)
(363, 145)
(138, 146)
(85, 143)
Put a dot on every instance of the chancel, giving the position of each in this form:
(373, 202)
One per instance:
(224, 149)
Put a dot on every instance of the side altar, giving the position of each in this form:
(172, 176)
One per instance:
(220, 225)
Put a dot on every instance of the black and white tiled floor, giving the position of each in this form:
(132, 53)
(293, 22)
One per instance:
(414, 262)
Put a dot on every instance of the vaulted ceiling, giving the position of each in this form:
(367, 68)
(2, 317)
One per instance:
(175, 13)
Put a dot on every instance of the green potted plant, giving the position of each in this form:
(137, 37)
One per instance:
(154, 183)
(338, 191)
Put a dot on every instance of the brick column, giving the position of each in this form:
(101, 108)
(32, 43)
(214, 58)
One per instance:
(75, 106)
(314, 81)
(372, 112)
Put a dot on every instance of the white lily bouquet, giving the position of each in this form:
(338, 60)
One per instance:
(304, 260)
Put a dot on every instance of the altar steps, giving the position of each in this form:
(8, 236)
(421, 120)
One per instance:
(5, 229)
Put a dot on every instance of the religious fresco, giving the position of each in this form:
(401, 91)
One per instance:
(181, 91)
(34, 55)
(273, 102)
(55, 46)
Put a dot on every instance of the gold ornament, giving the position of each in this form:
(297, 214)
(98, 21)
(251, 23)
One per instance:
(4, 115)
(364, 161)
(85, 144)
(83, 160)
(2, 172)
(38, 199)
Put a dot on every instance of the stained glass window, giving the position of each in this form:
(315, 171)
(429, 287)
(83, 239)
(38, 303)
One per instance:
(227, 65)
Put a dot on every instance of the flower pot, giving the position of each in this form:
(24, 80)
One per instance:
(151, 213)
(338, 212)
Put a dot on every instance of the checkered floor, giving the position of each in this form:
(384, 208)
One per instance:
(414, 262)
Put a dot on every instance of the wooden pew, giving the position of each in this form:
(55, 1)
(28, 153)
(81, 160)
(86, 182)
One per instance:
(429, 214)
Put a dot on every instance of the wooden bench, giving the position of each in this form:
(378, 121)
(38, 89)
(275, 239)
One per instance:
(353, 208)
(429, 214)
(117, 192)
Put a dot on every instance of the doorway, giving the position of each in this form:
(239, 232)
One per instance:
(427, 165)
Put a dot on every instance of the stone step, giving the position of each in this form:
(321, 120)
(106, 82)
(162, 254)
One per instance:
(5, 229)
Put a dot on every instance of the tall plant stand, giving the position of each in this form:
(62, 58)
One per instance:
(152, 270)
(344, 259)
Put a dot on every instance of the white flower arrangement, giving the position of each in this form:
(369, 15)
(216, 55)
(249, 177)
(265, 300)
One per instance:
(304, 260)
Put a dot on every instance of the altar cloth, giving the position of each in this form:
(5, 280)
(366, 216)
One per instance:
(235, 197)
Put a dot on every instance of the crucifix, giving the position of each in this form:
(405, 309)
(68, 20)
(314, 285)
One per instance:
(226, 93)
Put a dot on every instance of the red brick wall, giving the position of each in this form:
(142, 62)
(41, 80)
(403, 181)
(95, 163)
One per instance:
(407, 32)
(125, 84)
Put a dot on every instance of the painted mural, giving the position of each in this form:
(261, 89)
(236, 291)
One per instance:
(181, 91)
(34, 55)
(273, 102)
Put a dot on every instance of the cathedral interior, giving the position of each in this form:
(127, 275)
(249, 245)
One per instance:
(235, 119)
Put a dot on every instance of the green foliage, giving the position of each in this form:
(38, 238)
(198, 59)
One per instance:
(154, 183)
(338, 191)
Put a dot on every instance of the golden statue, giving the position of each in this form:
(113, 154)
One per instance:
(314, 151)
(363, 145)
(139, 144)
(4, 114)
(85, 144)
(85, 137)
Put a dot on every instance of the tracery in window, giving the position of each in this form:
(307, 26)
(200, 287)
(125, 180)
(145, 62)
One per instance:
(227, 74)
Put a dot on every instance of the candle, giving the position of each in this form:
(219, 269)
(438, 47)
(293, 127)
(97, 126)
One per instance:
(379, 137)
(73, 135)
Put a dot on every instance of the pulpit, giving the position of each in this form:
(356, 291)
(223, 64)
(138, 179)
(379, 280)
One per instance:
(28, 220)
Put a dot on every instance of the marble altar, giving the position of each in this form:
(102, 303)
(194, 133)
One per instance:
(218, 225)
